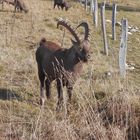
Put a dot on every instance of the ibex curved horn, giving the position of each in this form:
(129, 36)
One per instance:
(86, 27)
(68, 27)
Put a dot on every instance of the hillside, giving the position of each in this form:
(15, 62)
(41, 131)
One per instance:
(103, 107)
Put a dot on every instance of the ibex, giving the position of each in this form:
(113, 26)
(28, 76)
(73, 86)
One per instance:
(63, 4)
(11, 2)
(61, 64)
(18, 4)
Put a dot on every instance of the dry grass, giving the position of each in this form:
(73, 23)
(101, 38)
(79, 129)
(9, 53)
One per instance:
(102, 108)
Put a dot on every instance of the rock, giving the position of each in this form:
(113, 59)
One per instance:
(133, 30)
(136, 28)
(129, 33)
(129, 67)
(118, 24)
(107, 74)
(129, 27)
(109, 21)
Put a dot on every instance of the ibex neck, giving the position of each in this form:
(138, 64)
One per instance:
(72, 60)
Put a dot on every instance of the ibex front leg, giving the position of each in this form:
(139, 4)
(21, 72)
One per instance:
(69, 90)
(60, 93)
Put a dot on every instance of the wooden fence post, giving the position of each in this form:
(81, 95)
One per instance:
(62, 43)
(123, 48)
(91, 6)
(114, 9)
(86, 5)
(95, 13)
(103, 23)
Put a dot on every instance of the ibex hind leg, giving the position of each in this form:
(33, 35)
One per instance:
(21, 9)
(62, 7)
(48, 93)
(69, 90)
(42, 94)
(60, 94)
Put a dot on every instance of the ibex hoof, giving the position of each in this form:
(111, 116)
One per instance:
(42, 101)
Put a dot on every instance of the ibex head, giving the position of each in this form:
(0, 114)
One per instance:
(81, 47)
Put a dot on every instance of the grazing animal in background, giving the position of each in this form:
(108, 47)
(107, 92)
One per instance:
(11, 2)
(18, 4)
(62, 4)
(61, 64)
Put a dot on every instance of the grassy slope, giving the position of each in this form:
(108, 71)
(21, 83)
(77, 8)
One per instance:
(100, 96)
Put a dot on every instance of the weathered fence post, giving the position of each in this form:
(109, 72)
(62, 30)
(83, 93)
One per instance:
(95, 13)
(62, 43)
(86, 5)
(123, 48)
(114, 9)
(80, 1)
(103, 23)
(91, 6)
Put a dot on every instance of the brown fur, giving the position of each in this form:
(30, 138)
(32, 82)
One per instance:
(11, 2)
(18, 4)
(50, 45)
(61, 64)
(62, 4)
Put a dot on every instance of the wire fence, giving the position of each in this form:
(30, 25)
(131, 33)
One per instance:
(93, 8)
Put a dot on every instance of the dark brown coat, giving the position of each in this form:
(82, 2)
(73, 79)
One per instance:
(20, 6)
(61, 64)
(61, 3)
